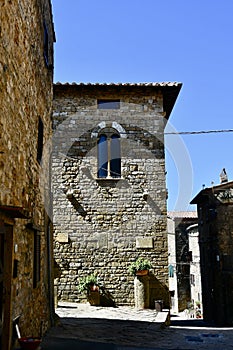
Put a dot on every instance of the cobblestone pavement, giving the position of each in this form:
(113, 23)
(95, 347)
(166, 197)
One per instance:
(84, 327)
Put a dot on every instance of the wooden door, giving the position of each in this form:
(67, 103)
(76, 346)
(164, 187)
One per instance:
(1, 281)
(6, 246)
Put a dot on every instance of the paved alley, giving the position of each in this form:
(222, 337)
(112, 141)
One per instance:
(85, 327)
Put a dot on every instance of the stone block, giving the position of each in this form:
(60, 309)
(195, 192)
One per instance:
(144, 242)
(62, 238)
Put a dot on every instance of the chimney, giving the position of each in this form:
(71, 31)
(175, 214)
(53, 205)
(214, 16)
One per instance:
(223, 176)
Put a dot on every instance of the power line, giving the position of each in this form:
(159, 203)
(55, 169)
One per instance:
(197, 132)
(146, 133)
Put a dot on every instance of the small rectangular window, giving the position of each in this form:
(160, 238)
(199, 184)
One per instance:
(40, 140)
(192, 279)
(190, 256)
(37, 257)
(15, 268)
(108, 104)
(46, 45)
(227, 263)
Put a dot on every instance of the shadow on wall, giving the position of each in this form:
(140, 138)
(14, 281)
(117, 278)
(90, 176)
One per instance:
(158, 291)
(56, 270)
(106, 298)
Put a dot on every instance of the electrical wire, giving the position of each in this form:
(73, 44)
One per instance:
(146, 133)
(197, 132)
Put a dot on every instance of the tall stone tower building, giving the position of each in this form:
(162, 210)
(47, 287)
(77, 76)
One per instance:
(109, 190)
(26, 77)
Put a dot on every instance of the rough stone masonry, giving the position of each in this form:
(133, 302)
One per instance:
(102, 224)
(26, 86)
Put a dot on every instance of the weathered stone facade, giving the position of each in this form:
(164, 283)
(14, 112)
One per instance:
(26, 77)
(215, 219)
(101, 225)
(195, 269)
(179, 258)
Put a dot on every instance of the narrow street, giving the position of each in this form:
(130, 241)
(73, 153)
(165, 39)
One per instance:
(85, 327)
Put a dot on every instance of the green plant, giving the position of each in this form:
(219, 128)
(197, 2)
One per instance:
(87, 283)
(139, 265)
(226, 195)
(190, 305)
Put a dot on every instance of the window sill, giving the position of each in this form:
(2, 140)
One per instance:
(108, 179)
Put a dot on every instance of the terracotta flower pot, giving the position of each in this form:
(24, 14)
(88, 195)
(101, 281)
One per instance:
(29, 343)
(94, 288)
(94, 298)
(142, 272)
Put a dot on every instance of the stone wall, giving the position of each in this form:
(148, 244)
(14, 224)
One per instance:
(172, 280)
(26, 76)
(195, 269)
(26, 91)
(102, 225)
(215, 208)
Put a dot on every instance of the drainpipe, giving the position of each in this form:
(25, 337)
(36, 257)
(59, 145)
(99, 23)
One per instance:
(50, 274)
(50, 247)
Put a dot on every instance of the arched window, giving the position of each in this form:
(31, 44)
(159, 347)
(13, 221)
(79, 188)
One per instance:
(109, 154)
(103, 156)
(115, 161)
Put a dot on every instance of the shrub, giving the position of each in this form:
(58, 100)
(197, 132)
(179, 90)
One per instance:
(87, 282)
(139, 265)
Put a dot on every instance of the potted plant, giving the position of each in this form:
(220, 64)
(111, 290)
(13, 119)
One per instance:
(198, 309)
(89, 284)
(140, 267)
(29, 343)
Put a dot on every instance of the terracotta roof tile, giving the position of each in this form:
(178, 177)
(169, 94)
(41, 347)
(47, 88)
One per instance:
(158, 84)
(182, 214)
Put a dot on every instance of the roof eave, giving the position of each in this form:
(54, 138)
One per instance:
(204, 193)
(170, 90)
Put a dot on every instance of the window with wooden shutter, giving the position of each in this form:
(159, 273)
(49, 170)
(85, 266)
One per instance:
(37, 257)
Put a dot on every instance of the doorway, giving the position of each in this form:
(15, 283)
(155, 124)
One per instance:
(1, 281)
(6, 244)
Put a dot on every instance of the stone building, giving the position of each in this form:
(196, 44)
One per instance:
(215, 219)
(109, 190)
(26, 76)
(195, 268)
(179, 258)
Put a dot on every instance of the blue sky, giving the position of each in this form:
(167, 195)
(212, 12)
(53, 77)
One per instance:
(189, 41)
